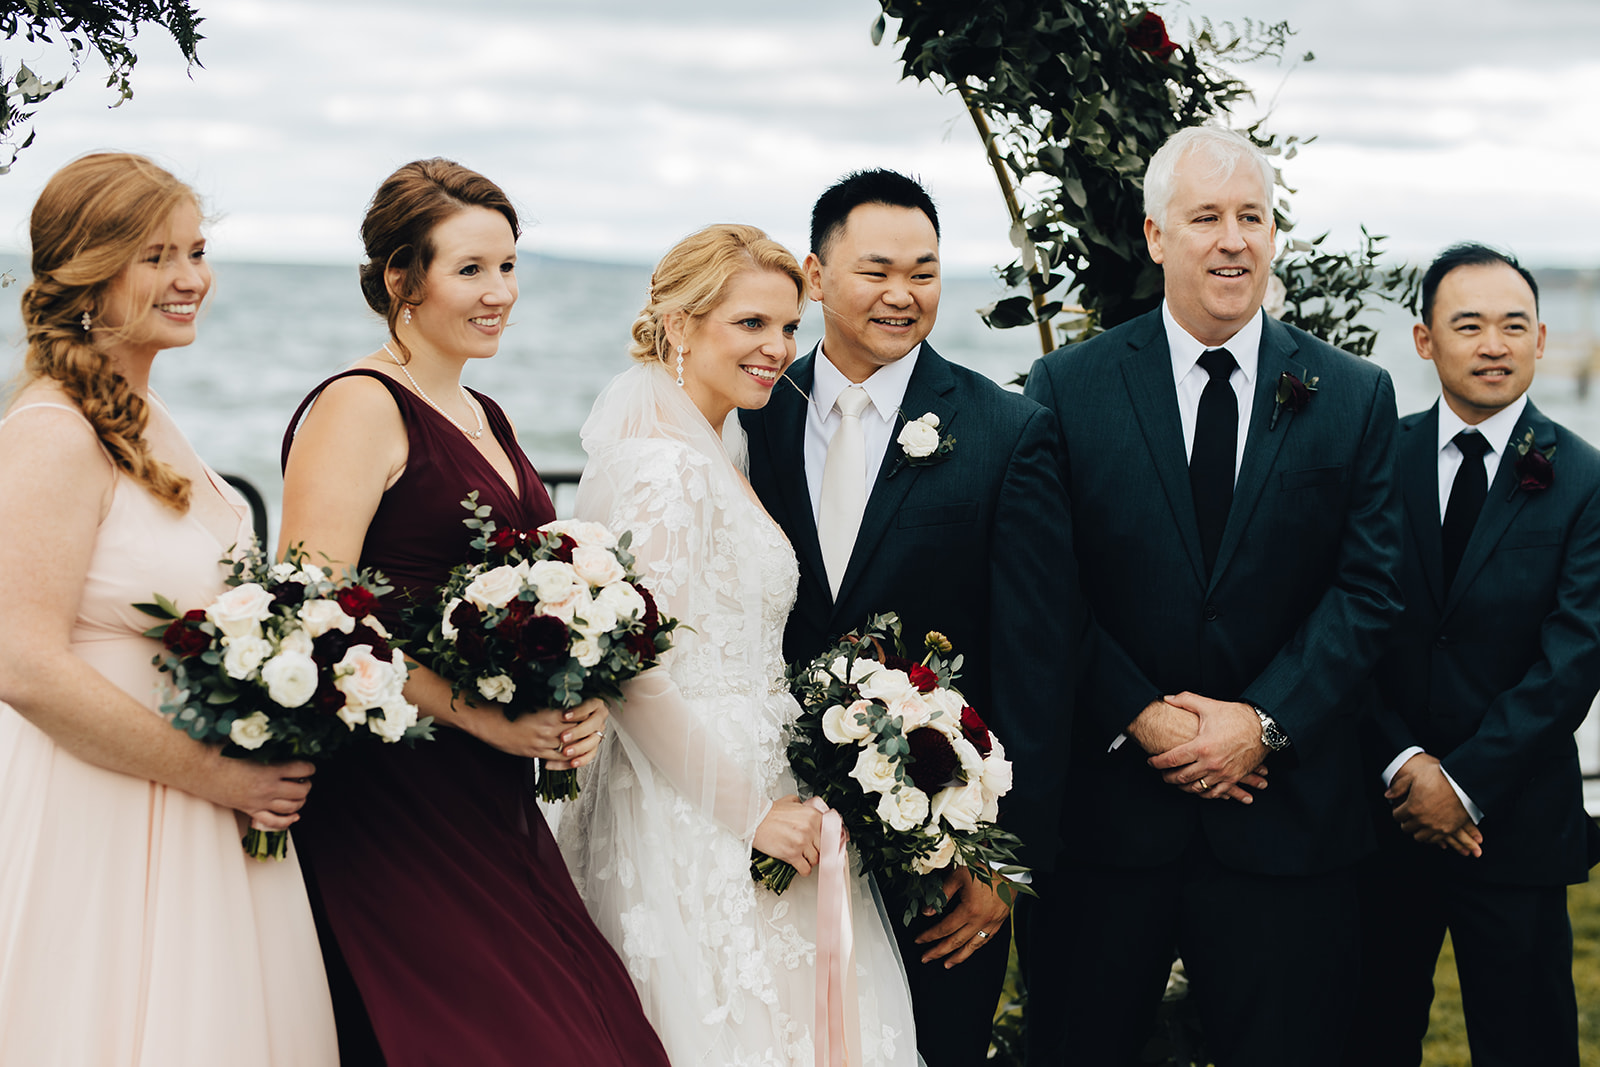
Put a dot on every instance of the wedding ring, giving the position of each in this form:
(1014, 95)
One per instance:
(1203, 786)
(983, 933)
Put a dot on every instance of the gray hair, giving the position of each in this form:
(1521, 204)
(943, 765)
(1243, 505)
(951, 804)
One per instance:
(1216, 149)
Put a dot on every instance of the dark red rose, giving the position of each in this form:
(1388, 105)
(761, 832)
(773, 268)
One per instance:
(1295, 396)
(899, 663)
(925, 680)
(976, 731)
(1149, 34)
(184, 638)
(327, 699)
(330, 648)
(356, 601)
(366, 635)
(933, 759)
(288, 594)
(1535, 472)
(652, 616)
(562, 549)
(506, 541)
(544, 637)
(468, 621)
(642, 646)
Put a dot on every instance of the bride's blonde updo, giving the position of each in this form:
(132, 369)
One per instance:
(93, 220)
(693, 277)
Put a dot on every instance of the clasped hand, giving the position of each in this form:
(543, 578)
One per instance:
(792, 832)
(1211, 748)
(563, 739)
(1427, 808)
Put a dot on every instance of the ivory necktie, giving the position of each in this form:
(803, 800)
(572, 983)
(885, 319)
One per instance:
(1216, 449)
(1466, 500)
(844, 486)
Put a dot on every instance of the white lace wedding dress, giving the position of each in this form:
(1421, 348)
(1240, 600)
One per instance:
(659, 840)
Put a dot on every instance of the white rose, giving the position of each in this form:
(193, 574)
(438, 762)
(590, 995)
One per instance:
(291, 678)
(398, 717)
(938, 859)
(499, 688)
(351, 716)
(874, 771)
(241, 610)
(931, 419)
(311, 575)
(572, 605)
(296, 640)
(494, 589)
(281, 572)
(597, 566)
(586, 650)
(448, 631)
(244, 654)
(554, 581)
(945, 702)
(904, 810)
(623, 600)
(970, 758)
(856, 672)
(918, 439)
(371, 622)
(592, 534)
(996, 779)
(887, 685)
(320, 616)
(365, 680)
(913, 711)
(251, 731)
(597, 619)
(960, 805)
(843, 725)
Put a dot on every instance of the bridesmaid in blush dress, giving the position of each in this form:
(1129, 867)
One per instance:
(453, 930)
(133, 928)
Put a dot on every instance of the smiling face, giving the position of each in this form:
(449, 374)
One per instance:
(879, 287)
(1484, 337)
(154, 302)
(1215, 248)
(735, 353)
(470, 287)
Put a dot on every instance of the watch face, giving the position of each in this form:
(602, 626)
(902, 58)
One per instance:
(1273, 737)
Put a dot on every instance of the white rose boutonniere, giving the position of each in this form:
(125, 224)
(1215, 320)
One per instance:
(921, 445)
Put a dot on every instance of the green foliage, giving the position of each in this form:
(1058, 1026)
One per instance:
(106, 27)
(1071, 99)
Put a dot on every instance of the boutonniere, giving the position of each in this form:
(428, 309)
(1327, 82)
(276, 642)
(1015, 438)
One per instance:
(1293, 395)
(921, 445)
(1535, 467)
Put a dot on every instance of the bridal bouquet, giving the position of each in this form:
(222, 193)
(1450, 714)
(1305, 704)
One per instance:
(915, 774)
(286, 664)
(548, 619)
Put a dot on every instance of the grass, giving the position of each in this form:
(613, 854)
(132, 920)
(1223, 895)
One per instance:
(1446, 1043)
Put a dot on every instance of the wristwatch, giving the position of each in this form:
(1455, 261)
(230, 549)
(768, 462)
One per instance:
(1271, 734)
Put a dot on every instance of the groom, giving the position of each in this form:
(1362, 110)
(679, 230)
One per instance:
(971, 541)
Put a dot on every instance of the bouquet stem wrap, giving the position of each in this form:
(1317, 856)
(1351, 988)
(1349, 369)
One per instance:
(837, 1033)
(264, 844)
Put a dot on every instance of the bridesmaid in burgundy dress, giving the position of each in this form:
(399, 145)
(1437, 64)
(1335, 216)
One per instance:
(452, 929)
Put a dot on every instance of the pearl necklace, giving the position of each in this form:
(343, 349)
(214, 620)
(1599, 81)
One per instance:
(474, 434)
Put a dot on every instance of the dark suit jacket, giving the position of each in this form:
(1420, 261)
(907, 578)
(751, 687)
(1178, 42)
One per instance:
(977, 547)
(1292, 618)
(1495, 673)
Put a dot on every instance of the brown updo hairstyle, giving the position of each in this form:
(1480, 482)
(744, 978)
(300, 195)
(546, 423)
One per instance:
(692, 279)
(398, 229)
(94, 218)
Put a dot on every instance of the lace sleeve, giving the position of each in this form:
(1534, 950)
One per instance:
(668, 496)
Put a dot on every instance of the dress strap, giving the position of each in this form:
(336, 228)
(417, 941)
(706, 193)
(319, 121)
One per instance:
(396, 390)
(59, 407)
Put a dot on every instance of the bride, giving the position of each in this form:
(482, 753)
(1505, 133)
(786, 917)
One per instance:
(695, 772)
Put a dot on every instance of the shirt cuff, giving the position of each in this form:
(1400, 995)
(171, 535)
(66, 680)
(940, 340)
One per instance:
(1117, 743)
(1466, 802)
(1399, 761)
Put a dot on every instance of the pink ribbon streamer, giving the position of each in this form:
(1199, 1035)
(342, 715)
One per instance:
(837, 1034)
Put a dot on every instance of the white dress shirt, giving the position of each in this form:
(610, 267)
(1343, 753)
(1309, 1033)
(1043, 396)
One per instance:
(886, 388)
(1496, 431)
(1191, 378)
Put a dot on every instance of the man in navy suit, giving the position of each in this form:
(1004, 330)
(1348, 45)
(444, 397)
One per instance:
(972, 540)
(1492, 668)
(1238, 532)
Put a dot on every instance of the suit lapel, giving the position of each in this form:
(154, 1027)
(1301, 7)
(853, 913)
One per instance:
(928, 390)
(1261, 444)
(1147, 373)
(1502, 504)
(1419, 485)
(785, 429)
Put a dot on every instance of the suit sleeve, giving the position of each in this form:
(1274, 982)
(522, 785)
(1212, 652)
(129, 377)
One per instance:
(1037, 632)
(1550, 702)
(1338, 644)
(1114, 689)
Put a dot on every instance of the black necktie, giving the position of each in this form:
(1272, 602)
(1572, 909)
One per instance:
(1466, 500)
(1216, 447)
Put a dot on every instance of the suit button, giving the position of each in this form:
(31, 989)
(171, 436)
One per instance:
(1441, 641)
(1212, 614)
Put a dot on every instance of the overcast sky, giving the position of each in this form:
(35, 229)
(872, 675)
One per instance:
(618, 126)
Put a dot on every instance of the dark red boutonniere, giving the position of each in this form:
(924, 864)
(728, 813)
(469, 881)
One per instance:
(1536, 470)
(1148, 34)
(1292, 396)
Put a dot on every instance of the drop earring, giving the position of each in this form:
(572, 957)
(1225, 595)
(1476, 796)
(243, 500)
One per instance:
(86, 322)
(680, 366)
(405, 316)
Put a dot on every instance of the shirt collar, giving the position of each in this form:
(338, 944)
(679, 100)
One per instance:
(1496, 429)
(1244, 346)
(886, 387)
